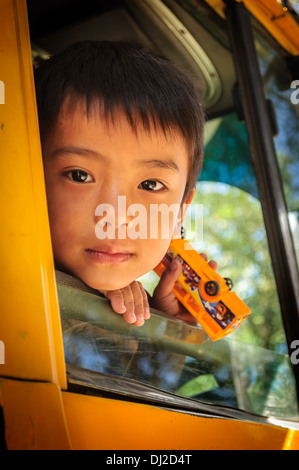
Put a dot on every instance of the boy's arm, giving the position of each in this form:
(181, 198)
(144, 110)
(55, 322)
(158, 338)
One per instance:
(163, 297)
(131, 302)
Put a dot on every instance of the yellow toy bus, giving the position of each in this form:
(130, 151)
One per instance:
(205, 294)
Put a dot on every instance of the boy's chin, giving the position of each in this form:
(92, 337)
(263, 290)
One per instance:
(103, 285)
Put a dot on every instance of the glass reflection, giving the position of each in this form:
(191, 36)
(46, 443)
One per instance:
(226, 372)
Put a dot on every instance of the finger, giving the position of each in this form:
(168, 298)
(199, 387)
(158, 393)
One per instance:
(141, 307)
(117, 300)
(212, 263)
(169, 278)
(146, 308)
(129, 302)
(122, 302)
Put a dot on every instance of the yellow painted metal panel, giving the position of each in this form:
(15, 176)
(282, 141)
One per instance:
(278, 21)
(29, 320)
(101, 423)
(33, 416)
(291, 440)
(274, 17)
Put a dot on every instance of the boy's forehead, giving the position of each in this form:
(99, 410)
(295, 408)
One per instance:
(76, 122)
(76, 114)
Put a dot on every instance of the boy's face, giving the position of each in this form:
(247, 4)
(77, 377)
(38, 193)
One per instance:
(88, 164)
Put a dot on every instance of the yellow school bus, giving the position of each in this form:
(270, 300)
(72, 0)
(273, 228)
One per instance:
(73, 375)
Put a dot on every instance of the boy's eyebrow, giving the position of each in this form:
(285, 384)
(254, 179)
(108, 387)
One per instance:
(156, 163)
(168, 164)
(83, 152)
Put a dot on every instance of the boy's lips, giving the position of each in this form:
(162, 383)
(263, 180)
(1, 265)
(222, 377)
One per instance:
(109, 254)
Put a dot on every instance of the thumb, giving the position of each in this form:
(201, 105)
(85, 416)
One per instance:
(169, 278)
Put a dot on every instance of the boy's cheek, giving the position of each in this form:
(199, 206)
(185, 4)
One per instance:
(111, 277)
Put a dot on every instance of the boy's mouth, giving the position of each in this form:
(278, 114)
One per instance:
(109, 255)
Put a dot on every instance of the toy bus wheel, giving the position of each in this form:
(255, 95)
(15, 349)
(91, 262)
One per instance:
(212, 288)
(229, 283)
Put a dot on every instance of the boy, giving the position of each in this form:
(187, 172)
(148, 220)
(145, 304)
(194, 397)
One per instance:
(117, 124)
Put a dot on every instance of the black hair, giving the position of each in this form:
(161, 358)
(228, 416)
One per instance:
(123, 76)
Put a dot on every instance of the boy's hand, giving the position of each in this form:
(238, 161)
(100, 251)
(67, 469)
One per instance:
(163, 296)
(131, 302)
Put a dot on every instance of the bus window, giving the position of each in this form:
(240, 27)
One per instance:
(278, 83)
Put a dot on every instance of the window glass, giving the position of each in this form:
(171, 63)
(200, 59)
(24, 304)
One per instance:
(278, 84)
(234, 235)
(234, 232)
(295, 5)
(227, 156)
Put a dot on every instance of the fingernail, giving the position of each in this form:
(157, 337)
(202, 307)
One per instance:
(174, 264)
(147, 314)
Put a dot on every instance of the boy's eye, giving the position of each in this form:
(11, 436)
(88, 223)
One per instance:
(151, 185)
(79, 176)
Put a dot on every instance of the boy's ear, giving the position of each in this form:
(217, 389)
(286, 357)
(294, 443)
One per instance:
(186, 204)
(181, 215)
(190, 198)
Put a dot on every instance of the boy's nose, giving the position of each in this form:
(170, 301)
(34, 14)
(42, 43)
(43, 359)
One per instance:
(114, 215)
